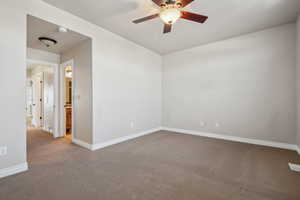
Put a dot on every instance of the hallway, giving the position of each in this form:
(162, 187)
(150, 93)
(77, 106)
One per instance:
(42, 144)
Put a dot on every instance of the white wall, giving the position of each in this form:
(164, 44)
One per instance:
(126, 78)
(81, 55)
(127, 88)
(36, 54)
(12, 79)
(298, 81)
(246, 84)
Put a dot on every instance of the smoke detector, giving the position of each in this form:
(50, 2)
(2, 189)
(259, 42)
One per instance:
(62, 29)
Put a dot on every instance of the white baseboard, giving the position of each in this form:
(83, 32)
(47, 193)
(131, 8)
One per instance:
(13, 170)
(82, 143)
(298, 149)
(47, 130)
(294, 167)
(236, 139)
(280, 145)
(123, 139)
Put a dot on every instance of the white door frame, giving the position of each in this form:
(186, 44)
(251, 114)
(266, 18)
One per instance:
(62, 98)
(56, 92)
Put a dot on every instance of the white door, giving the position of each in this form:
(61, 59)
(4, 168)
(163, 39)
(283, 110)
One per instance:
(38, 100)
(48, 100)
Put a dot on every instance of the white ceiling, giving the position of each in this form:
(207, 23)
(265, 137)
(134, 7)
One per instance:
(39, 28)
(226, 19)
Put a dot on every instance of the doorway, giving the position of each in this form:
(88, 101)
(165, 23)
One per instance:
(41, 86)
(67, 102)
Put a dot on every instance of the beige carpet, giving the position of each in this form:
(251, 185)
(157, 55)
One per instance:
(160, 166)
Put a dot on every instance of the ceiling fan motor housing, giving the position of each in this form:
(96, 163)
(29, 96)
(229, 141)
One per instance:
(171, 2)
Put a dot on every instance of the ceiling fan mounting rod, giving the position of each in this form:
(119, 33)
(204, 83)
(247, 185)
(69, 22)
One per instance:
(170, 2)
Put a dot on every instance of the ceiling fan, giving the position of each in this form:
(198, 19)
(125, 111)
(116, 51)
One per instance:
(171, 11)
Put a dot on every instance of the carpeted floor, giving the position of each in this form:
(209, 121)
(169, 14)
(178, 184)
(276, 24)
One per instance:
(160, 166)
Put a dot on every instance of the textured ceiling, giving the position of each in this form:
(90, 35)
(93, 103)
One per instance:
(226, 19)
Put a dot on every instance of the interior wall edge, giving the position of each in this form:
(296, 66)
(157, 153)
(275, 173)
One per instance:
(298, 81)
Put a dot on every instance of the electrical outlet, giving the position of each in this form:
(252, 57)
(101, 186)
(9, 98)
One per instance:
(3, 151)
(202, 124)
(217, 125)
(132, 124)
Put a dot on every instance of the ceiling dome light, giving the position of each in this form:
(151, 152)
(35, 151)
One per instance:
(47, 41)
(170, 15)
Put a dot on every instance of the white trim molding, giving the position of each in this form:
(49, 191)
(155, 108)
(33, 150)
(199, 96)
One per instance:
(94, 147)
(294, 167)
(13, 170)
(280, 145)
(123, 139)
(298, 149)
(235, 139)
(82, 143)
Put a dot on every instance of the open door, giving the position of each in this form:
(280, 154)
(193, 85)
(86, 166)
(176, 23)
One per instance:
(67, 104)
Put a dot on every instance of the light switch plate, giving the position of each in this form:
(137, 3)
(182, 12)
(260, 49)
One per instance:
(132, 124)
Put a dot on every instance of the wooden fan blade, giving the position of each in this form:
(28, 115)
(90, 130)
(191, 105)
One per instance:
(145, 18)
(184, 3)
(193, 17)
(167, 28)
(158, 2)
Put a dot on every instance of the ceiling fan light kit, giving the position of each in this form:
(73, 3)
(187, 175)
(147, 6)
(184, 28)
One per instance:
(171, 11)
(170, 14)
